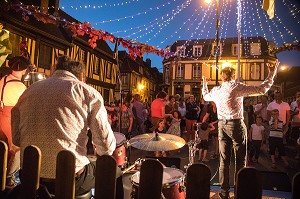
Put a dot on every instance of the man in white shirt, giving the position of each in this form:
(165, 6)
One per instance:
(232, 129)
(283, 107)
(55, 114)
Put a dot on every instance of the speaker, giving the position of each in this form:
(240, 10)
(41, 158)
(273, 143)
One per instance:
(168, 161)
(276, 181)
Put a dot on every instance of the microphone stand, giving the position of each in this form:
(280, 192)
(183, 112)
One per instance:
(116, 57)
(193, 146)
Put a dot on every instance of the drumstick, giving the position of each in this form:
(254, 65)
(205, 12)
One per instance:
(132, 166)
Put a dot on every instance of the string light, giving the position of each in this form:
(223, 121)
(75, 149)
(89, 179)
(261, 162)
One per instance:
(292, 11)
(102, 6)
(134, 15)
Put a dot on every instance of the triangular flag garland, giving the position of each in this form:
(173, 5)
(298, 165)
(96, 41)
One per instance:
(135, 49)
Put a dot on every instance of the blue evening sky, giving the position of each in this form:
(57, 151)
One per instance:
(161, 22)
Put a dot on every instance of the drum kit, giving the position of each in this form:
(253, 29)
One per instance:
(173, 179)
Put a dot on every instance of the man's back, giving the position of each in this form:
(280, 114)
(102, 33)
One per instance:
(55, 114)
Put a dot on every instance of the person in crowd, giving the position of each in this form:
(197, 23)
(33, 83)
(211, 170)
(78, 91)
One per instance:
(174, 128)
(248, 112)
(256, 136)
(261, 111)
(58, 118)
(277, 132)
(203, 133)
(211, 117)
(182, 111)
(232, 130)
(296, 125)
(294, 104)
(160, 129)
(11, 88)
(158, 109)
(192, 111)
(126, 119)
(139, 107)
(203, 108)
(283, 108)
(171, 106)
(148, 125)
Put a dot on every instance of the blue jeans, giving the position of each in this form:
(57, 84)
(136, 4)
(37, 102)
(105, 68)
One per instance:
(232, 134)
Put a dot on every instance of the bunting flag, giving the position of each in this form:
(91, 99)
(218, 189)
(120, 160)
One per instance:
(269, 7)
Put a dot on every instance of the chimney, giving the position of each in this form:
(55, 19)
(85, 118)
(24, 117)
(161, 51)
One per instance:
(148, 62)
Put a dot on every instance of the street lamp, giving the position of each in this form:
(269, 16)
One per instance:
(217, 38)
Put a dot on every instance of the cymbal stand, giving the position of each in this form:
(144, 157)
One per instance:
(193, 146)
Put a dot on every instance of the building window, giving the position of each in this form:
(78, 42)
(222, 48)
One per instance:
(255, 49)
(197, 69)
(254, 71)
(45, 56)
(197, 51)
(180, 51)
(108, 69)
(167, 75)
(180, 71)
(96, 68)
(124, 80)
(234, 49)
(214, 49)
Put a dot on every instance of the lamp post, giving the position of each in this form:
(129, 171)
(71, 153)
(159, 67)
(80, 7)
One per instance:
(217, 39)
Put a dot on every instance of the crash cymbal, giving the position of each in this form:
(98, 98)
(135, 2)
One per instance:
(157, 142)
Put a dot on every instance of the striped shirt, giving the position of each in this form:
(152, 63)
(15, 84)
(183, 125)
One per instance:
(276, 132)
(230, 95)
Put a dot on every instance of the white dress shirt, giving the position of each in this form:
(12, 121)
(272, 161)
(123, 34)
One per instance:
(229, 96)
(55, 114)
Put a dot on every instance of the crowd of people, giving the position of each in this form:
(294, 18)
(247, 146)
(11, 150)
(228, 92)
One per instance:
(225, 115)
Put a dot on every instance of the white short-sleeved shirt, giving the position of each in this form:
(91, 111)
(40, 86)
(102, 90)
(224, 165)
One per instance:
(283, 107)
(257, 132)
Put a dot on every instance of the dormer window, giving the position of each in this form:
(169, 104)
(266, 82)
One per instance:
(255, 49)
(180, 51)
(234, 49)
(197, 50)
(214, 49)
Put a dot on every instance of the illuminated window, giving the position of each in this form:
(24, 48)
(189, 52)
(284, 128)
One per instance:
(197, 51)
(180, 71)
(255, 49)
(180, 51)
(197, 69)
(254, 71)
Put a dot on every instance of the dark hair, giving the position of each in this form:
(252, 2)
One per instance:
(259, 117)
(65, 63)
(161, 94)
(18, 63)
(179, 114)
(228, 73)
(204, 126)
(171, 97)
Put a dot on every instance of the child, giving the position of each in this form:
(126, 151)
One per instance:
(160, 129)
(175, 124)
(256, 137)
(276, 138)
(203, 145)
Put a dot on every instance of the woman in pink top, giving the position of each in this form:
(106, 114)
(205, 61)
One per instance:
(158, 108)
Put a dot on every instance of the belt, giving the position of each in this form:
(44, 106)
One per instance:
(231, 120)
(49, 180)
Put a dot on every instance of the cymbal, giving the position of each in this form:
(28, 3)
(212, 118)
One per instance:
(157, 142)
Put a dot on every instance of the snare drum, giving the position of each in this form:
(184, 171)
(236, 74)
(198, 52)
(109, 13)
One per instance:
(120, 152)
(171, 187)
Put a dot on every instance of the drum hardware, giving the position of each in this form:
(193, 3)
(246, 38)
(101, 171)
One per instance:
(193, 145)
(157, 142)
